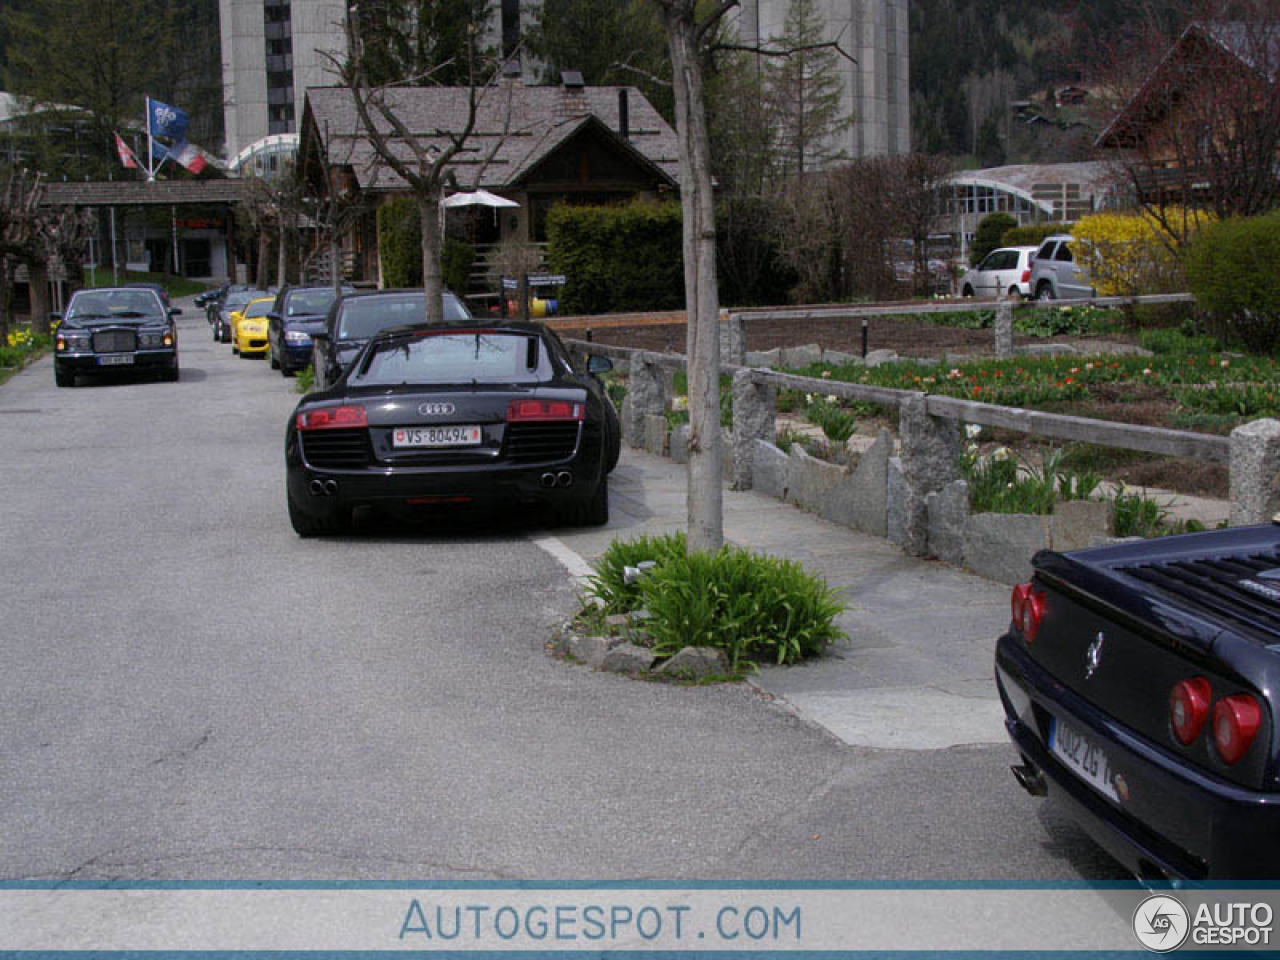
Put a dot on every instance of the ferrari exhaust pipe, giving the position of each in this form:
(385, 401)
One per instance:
(548, 480)
(564, 479)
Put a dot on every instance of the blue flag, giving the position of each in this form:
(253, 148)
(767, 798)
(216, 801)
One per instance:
(158, 153)
(166, 121)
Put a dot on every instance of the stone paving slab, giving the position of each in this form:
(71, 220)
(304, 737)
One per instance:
(915, 673)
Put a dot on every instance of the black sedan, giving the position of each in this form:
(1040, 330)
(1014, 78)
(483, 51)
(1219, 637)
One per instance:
(433, 415)
(1140, 684)
(354, 320)
(115, 329)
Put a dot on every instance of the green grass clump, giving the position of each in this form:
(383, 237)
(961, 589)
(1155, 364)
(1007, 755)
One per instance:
(997, 484)
(1137, 515)
(305, 382)
(755, 607)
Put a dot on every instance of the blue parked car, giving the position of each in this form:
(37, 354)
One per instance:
(1140, 684)
(297, 315)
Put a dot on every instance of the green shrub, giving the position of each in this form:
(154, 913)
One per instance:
(997, 484)
(618, 258)
(989, 235)
(455, 264)
(1169, 341)
(400, 243)
(1231, 267)
(1134, 514)
(1032, 234)
(305, 381)
(753, 606)
(836, 422)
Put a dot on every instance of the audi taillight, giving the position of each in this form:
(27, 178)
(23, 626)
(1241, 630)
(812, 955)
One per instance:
(544, 410)
(1189, 709)
(1235, 723)
(1028, 610)
(329, 418)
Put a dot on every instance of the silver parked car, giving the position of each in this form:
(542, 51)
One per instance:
(1005, 272)
(1055, 275)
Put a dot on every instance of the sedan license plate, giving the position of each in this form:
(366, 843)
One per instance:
(1087, 760)
(115, 359)
(448, 436)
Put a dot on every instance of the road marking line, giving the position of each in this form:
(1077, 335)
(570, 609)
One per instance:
(570, 558)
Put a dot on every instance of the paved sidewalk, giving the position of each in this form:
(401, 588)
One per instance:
(916, 671)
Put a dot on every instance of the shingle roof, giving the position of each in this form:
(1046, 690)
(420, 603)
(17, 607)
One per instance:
(104, 193)
(516, 127)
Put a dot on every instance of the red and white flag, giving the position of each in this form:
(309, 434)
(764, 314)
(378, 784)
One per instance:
(125, 154)
(189, 155)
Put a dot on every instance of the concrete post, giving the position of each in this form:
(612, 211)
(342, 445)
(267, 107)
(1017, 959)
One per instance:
(1255, 472)
(755, 412)
(1004, 328)
(930, 449)
(645, 395)
(733, 340)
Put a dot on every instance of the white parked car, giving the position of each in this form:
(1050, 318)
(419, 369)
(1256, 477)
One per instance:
(1004, 272)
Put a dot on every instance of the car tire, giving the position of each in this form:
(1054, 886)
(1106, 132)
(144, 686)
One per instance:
(63, 378)
(271, 356)
(172, 373)
(590, 513)
(285, 370)
(214, 328)
(1045, 291)
(307, 526)
(612, 438)
(967, 291)
(1015, 293)
(235, 348)
(225, 335)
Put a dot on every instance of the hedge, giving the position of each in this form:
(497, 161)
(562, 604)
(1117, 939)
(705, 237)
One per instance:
(1127, 254)
(617, 258)
(1231, 267)
(1032, 234)
(400, 249)
(990, 235)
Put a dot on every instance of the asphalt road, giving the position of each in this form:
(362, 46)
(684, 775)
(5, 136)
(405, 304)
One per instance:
(189, 691)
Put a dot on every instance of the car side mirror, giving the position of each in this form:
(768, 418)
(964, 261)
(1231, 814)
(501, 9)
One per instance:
(175, 311)
(598, 365)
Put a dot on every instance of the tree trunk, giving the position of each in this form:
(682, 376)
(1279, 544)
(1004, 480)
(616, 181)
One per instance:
(432, 275)
(282, 256)
(335, 274)
(705, 493)
(264, 248)
(6, 297)
(38, 272)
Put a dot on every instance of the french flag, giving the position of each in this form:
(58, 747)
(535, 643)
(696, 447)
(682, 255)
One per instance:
(188, 155)
(125, 154)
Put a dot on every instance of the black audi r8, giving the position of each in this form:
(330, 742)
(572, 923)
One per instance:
(1140, 684)
(466, 413)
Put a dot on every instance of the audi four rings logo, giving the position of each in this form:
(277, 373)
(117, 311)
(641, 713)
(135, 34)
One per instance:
(435, 409)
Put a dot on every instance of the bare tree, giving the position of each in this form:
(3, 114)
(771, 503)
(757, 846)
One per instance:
(1195, 118)
(18, 212)
(422, 159)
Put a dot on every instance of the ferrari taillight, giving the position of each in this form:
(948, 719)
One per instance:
(544, 410)
(1027, 605)
(1189, 709)
(329, 418)
(1235, 723)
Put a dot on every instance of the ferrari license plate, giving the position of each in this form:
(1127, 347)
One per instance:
(1084, 758)
(448, 436)
(115, 359)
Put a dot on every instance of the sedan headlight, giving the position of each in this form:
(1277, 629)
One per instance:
(297, 336)
(151, 339)
(67, 344)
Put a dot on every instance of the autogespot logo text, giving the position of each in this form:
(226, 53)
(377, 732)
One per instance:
(1161, 923)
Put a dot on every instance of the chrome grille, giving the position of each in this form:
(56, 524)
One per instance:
(532, 442)
(115, 341)
(336, 449)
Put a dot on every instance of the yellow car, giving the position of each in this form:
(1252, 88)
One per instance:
(249, 328)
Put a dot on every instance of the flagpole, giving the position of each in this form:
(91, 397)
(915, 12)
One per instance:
(151, 174)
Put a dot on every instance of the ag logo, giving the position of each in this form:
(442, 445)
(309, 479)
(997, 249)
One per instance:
(435, 409)
(1161, 923)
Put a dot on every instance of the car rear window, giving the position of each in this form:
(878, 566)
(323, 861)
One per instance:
(363, 317)
(1046, 250)
(1064, 253)
(470, 357)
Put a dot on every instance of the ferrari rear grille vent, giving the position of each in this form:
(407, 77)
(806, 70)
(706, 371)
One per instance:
(1244, 590)
(336, 449)
(533, 442)
(115, 341)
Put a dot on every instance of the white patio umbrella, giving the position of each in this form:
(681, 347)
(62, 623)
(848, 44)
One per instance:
(477, 198)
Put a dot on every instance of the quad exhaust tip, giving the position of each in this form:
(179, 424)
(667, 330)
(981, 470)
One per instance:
(562, 479)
